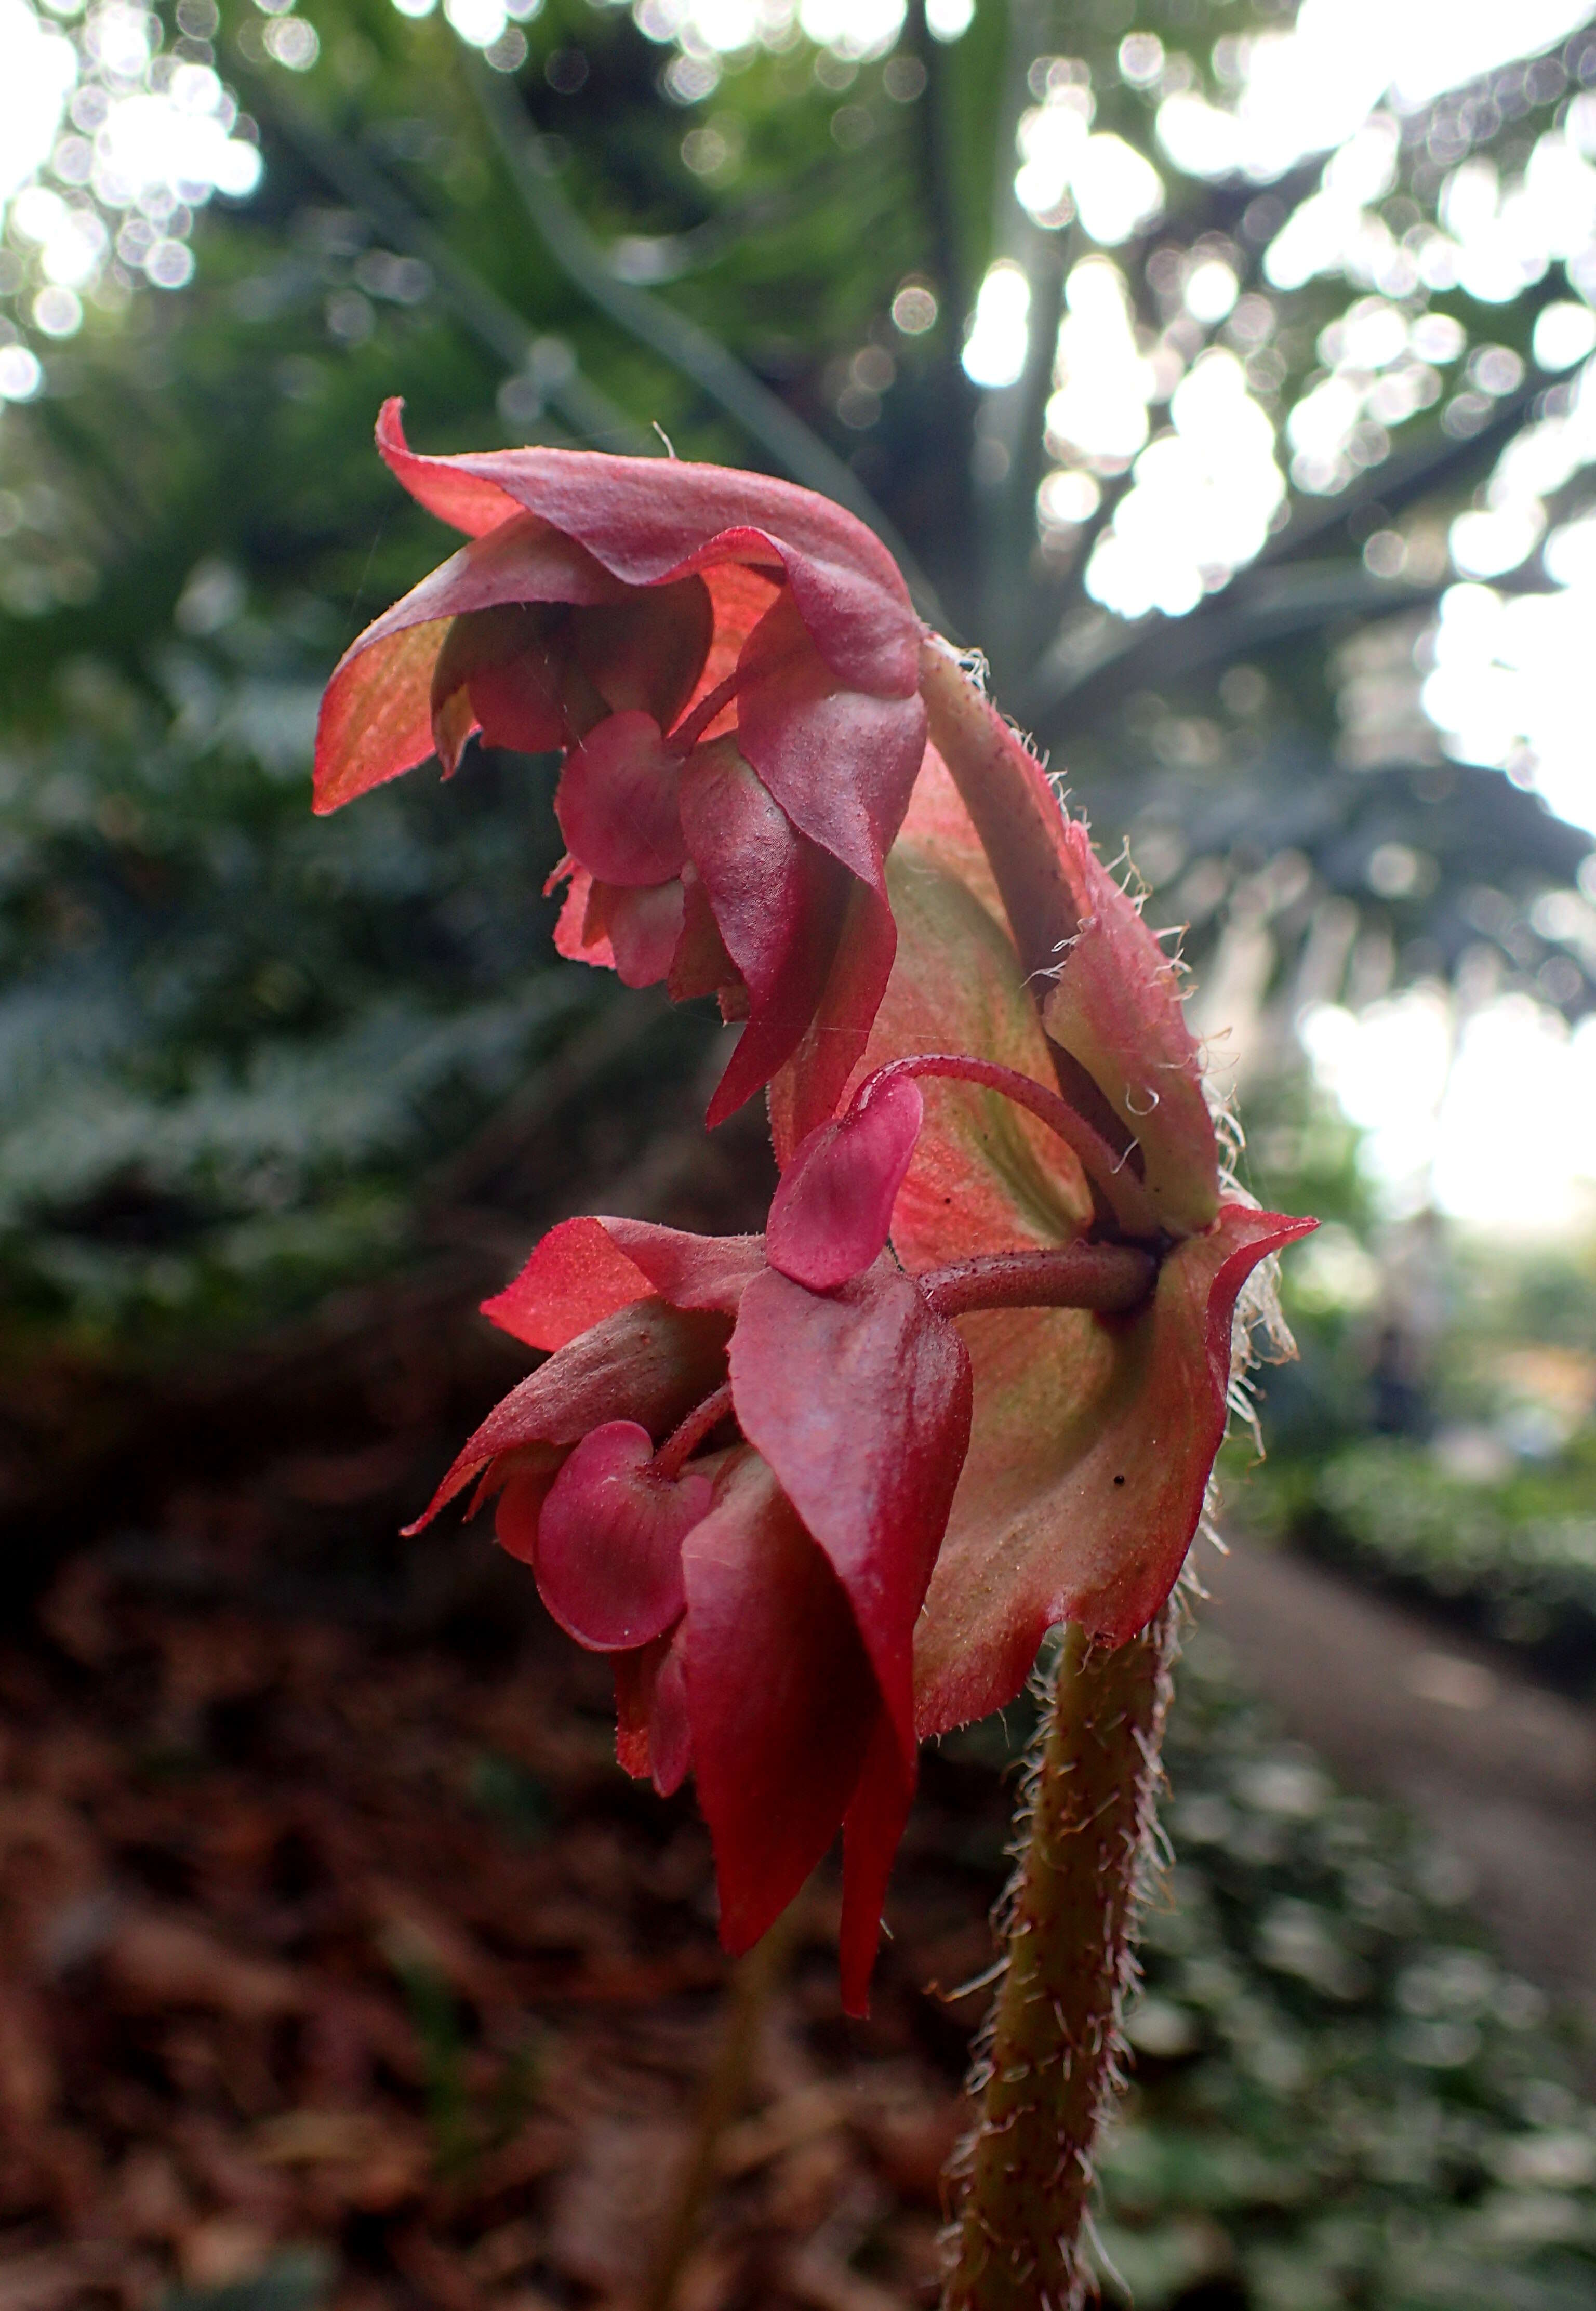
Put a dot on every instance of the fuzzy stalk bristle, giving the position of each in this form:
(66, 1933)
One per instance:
(1048, 2069)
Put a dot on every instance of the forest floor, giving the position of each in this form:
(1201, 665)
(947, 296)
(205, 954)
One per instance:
(341, 1970)
(336, 1966)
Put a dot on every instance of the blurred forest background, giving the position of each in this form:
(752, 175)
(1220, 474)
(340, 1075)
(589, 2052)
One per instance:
(1227, 373)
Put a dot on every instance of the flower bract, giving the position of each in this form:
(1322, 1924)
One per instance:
(728, 665)
(737, 1486)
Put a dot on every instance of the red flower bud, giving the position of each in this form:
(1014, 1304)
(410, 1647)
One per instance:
(730, 664)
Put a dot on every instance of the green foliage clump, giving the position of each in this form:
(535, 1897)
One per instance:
(1517, 1553)
(1342, 2097)
(235, 1037)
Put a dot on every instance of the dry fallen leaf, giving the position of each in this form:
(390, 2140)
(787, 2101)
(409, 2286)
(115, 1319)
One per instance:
(155, 1961)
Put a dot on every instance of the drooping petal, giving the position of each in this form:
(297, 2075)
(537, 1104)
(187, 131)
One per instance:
(670, 1729)
(587, 1268)
(859, 1399)
(618, 805)
(497, 672)
(826, 1057)
(871, 1832)
(831, 1215)
(1089, 1454)
(648, 519)
(645, 655)
(653, 1739)
(1116, 1008)
(644, 1362)
(741, 596)
(609, 1541)
(357, 743)
(840, 761)
(577, 933)
(536, 675)
(691, 1271)
(577, 1275)
(376, 718)
(521, 1504)
(779, 902)
(780, 1694)
(644, 929)
(464, 499)
(701, 965)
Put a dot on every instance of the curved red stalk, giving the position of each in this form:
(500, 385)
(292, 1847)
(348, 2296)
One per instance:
(1114, 1279)
(1131, 1206)
(691, 726)
(680, 1445)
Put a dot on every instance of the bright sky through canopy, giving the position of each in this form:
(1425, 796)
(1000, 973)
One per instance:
(109, 145)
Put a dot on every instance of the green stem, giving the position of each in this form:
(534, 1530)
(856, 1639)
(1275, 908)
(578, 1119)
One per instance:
(1049, 2072)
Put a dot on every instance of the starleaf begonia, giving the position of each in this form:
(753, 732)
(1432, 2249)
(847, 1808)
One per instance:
(728, 665)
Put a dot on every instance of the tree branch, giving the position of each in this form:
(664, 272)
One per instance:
(691, 351)
(479, 308)
(1114, 657)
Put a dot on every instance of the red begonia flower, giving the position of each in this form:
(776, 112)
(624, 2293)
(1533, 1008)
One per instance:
(729, 664)
(1094, 1435)
(737, 1486)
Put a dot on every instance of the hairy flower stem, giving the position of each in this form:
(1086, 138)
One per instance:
(1050, 2070)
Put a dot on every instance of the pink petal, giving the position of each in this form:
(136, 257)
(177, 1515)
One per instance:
(645, 930)
(1089, 1455)
(832, 1213)
(670, 1729)
(617, 804)
(691, 1271)
(701, 964)
(521, 561)
(861, 1402)
(645, 655)
(518, 702)
(871, 1832)
(520, 1505)
(461, 499)
(780, 1694)
(609, 1541)
(576, 1276)
(649, 519)
(653, 1739)
(840, 762)
(635, 1674)
(807, 1088)
(646, 1363)
(741, 596)
(779, 901)
(577, 937)
(585, 1269)
(1117, 1009)
(376, 720)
